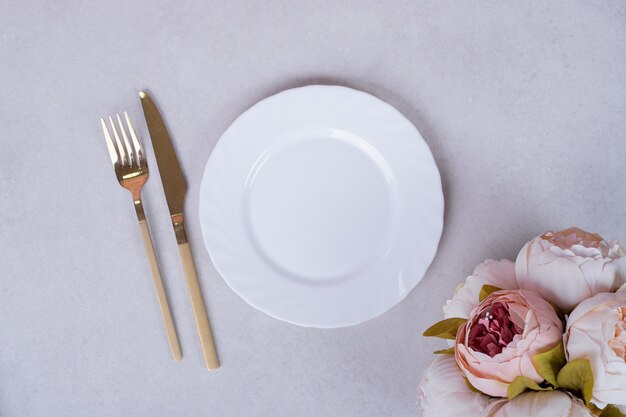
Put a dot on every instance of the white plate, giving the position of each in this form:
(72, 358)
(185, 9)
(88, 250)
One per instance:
(321, 206)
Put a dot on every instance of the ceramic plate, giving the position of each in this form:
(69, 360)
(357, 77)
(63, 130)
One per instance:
(321, 206)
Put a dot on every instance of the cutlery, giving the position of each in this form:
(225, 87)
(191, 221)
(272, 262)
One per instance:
(131, 169)
(175, 188)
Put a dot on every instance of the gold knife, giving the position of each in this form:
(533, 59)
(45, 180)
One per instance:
(175, 189)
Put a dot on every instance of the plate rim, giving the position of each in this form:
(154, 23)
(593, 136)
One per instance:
(271, 312)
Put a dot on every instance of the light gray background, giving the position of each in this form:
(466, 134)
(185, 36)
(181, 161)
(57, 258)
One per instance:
(522, 103)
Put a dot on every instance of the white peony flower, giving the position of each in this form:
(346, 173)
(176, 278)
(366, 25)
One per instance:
(596, 330)
(539, 404)
(499, 274)
(444, 393)
(569, 266)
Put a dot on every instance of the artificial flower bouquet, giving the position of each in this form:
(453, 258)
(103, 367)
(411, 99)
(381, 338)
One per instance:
(544, 336)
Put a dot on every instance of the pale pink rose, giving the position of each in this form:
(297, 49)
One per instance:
(596, 330)
(539, 404)
(499, 274)
(444, 393)
(502, 335)
(569, 266)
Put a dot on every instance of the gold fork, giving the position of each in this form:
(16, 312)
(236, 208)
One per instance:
(131, 169)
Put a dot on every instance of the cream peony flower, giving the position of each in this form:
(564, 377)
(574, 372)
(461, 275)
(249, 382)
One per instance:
(443, 391)
(502, 335)
(539, 404)
(569, 266)
(596, 330)
(499, 274)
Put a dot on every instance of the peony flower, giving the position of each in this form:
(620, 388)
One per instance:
(443, 391)
(502, 335)
(499, 274)
(569, 266)
(596, 330)
(539, 404)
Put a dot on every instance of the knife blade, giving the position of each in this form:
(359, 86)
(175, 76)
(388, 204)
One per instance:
(175, 188)
(172, 177)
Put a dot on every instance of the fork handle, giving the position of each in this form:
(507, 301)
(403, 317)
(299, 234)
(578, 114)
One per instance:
(170, 330)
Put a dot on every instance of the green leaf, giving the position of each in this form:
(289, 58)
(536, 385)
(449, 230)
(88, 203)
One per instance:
(449, 351)
(612, 411)
(577, 376)
(548, 364)
(445, 329)
(485, 290)
(521, 384)
(594, 409)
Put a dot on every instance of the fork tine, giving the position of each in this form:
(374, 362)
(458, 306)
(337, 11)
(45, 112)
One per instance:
(136, 142)
(110, 144)
(129, 149)
(120, 147)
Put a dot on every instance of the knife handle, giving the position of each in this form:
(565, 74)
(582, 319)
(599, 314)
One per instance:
(197, 302)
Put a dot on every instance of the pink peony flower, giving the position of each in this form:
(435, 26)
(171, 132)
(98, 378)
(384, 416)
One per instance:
(539, 404)
(443, 391)
(569, 266)
(596, 330)
(502, 335)
(499, 274)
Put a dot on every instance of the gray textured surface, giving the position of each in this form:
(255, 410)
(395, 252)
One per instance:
(522, 103)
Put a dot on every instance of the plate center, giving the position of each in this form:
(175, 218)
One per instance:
(319, 208)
